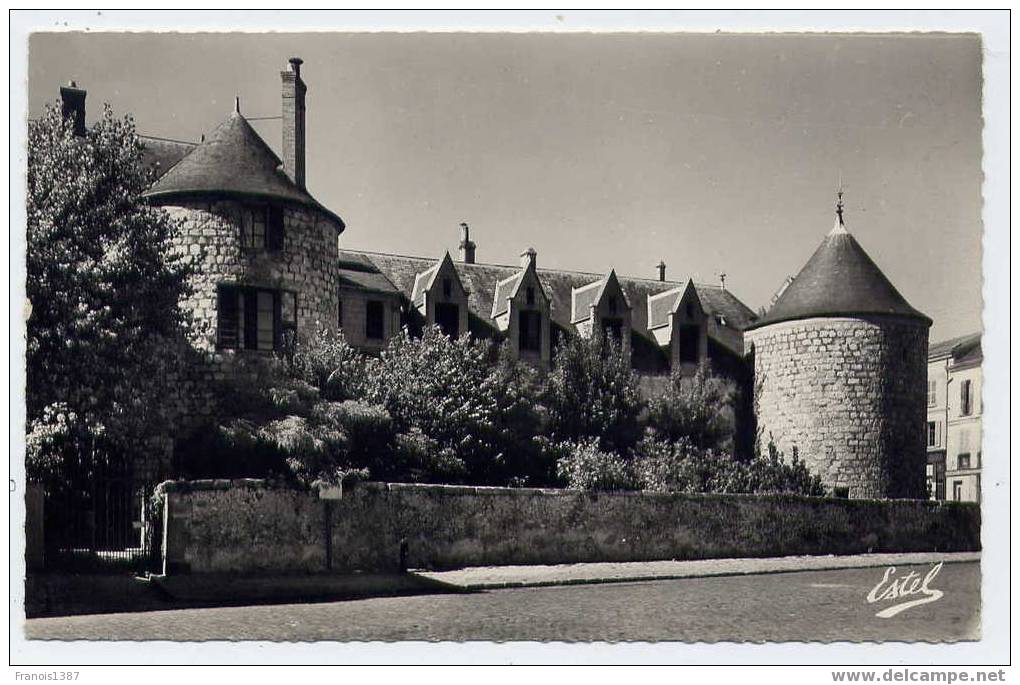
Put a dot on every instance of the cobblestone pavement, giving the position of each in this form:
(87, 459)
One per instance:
(801, 606)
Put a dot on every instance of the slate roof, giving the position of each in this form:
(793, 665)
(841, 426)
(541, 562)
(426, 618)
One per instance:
(163, 153)
(234, 161)
(481, 281)
(584, 297)
(505, 290)
(963, 349)
(840, 279)
(363, 275)
(662, 305)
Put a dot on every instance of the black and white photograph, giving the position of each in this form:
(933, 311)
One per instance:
(465, 337)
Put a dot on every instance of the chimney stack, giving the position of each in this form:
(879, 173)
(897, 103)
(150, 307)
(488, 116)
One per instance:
(661, 266)
(73, 106)
(467, 247)
(528, 258)
(294, 122)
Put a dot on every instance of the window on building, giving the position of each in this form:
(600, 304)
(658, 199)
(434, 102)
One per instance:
(963, 461)
(448, 318)
(529, 326)
(374, 320)
(965, 398)
(690, 310)
(254, 318)
(447, 288)
(262, 227)
(933, 398)
(957, 490)
(687, 342)
(530, 296)
(612, 305)
(933, 434)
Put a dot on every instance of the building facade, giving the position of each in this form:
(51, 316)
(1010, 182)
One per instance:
(953, 429)
(837, 364)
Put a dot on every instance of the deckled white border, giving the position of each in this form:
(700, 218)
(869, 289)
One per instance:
(993, 649)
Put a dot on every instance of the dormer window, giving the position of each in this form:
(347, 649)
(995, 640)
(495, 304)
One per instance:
(261, 227)
(447, 288)
(612, 305)
(530, 296)
(690, 311)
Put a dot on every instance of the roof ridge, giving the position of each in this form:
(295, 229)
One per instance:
(517, 266)
(168, 140)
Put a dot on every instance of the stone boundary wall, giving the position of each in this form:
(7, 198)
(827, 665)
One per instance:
(250, 527)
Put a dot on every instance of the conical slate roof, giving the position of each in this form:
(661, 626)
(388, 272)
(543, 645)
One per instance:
(840, 279)
(234, 161)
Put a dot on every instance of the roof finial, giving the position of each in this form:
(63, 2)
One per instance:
(839, 206)
(237, 104)
(722, 280)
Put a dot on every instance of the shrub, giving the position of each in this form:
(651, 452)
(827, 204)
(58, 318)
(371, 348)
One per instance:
(700, 408)
(327, 361)
(592, 392)
(368, 431)
(680, 466)
(584, 466)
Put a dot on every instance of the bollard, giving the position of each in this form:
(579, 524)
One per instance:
(403, 555)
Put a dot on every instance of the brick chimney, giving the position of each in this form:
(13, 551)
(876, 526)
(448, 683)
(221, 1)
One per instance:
(661, 266)
(528, 257)
(294, 122)
(467, 246)
(73, 106)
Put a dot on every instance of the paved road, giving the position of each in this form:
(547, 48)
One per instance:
(817, 605)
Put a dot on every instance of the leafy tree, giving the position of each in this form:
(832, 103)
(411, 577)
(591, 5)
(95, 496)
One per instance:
(592, 392)
(103, 284)
(698, 408)
(453, 393)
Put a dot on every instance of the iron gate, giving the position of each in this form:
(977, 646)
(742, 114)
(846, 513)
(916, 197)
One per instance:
(96, 516)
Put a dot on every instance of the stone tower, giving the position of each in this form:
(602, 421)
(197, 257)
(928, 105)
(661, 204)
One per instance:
(840, 365)
(268, 248)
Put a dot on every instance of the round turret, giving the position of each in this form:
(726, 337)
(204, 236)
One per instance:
(840, 365)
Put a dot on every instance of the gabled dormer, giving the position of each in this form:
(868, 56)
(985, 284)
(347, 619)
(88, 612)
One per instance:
(602, 308)
(441, 298)
(520, 309)
(679, 323)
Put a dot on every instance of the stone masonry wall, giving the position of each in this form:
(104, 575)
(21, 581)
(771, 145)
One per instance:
(247, 527)
(849, 394)
(307, 264)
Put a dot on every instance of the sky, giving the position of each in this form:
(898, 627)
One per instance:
(717, 153)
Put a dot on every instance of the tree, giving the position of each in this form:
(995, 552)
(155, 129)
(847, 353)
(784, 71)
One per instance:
(592, 392)
(103, 283)
(699, 408)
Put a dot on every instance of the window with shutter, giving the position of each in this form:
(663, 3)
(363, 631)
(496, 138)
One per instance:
(932, 393)
(965, 398)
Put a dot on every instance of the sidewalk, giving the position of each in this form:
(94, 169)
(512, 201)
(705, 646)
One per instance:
(62, 594)
(496, 577)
